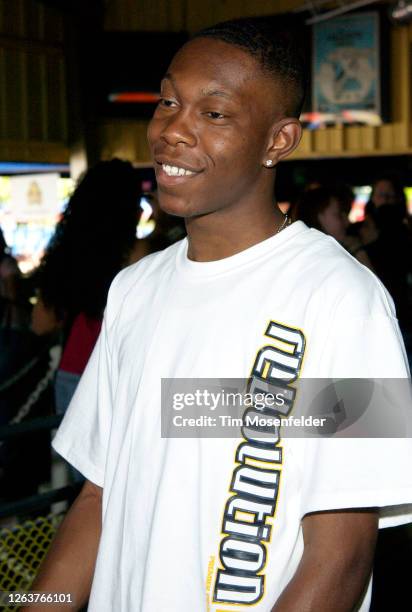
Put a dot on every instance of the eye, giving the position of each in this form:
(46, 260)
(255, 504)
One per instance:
(166, 103)
(215, 115)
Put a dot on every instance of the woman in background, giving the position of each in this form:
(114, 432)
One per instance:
(326, 209)
(92, 243)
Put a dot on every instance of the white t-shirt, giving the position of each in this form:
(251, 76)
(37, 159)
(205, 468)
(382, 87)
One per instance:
(174, 510)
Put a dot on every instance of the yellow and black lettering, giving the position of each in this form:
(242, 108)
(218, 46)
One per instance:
(256, 478)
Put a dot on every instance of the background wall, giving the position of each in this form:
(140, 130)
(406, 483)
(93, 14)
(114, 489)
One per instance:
(33, 107)
(35, 111)
(188, 15)
(395, 138)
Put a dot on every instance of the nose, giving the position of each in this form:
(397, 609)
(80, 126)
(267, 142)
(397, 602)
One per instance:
(179, 130)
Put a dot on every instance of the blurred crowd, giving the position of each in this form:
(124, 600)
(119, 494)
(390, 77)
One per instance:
(382, 241)
(50, 320)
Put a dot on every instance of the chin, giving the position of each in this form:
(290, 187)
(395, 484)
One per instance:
(177, 206)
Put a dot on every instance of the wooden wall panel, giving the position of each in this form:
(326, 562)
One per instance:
(185, 14)
(147, 15)
(15, 107)
(220, 10)
(34, 21)
(369, 140)
(33, 107)
(32, 80)
(393, 138)
(36, 96)
(124, 139)
(55, 99)
(12, 21)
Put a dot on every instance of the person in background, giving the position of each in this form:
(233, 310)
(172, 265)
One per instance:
(92, 242)
(8, 265)
(326, 209)
(13, 311)
(386, 236)
(26, 371)
(157, 231)
(387, 240)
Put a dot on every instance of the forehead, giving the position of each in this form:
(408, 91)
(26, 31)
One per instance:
(206, 61)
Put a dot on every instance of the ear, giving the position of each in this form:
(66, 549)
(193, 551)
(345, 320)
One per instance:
(285, 137)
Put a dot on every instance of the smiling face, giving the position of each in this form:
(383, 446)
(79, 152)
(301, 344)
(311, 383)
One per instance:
(210, 134)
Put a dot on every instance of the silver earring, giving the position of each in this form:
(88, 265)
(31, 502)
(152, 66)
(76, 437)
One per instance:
(268, 162)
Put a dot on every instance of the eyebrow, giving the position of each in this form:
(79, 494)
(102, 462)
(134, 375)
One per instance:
(205, 92)
(216, 92)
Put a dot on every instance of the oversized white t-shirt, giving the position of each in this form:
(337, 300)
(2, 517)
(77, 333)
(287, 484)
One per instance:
(198, 524)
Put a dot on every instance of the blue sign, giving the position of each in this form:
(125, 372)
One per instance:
(346, 69)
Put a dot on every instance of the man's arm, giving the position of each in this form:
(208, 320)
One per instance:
(69, 564)
(336, 562)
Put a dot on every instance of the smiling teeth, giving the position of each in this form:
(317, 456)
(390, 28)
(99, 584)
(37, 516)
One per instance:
(176, 171)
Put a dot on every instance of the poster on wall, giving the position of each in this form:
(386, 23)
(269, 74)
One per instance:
(30, 206)
(34, 196)
(346, 69)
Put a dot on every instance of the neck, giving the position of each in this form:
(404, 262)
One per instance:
(222, 234)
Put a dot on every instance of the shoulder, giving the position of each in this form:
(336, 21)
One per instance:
(352, 315)
(144, 273)
(340, 283)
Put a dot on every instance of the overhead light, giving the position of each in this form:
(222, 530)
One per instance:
(340, 10)
(402, 12)
(134, 97)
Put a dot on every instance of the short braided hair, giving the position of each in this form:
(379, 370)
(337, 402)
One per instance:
(274, 49)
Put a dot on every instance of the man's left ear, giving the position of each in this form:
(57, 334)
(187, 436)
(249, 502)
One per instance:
(286, 135)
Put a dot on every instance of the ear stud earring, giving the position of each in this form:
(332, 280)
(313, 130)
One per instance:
(268, 162)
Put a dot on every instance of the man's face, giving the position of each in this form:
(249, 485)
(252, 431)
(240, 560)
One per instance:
(210, 130)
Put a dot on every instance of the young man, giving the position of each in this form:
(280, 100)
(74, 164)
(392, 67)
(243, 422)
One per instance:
(221, 523)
